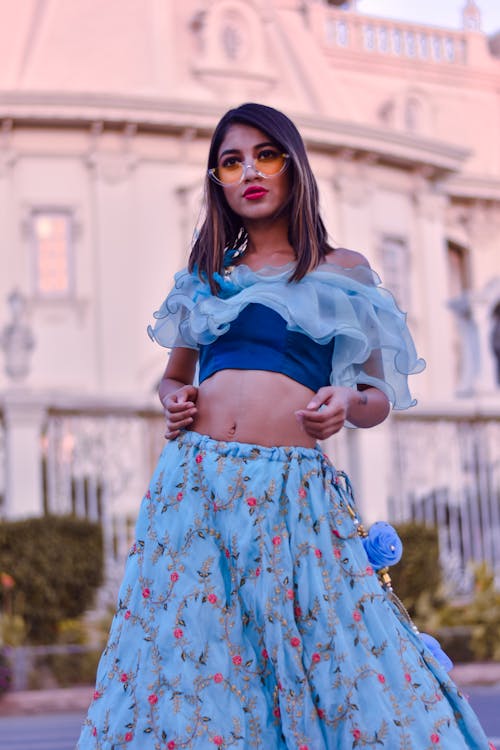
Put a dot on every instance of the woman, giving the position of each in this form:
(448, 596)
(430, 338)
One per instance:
(249, 616)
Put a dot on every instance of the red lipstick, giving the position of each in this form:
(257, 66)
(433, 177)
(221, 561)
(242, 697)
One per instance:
(254, 192)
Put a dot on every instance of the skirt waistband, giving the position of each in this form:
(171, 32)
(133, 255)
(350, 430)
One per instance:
(250, 450)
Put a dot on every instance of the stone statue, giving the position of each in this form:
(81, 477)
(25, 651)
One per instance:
(16, 339)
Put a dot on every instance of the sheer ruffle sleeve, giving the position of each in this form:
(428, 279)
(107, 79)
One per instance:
(373, 345)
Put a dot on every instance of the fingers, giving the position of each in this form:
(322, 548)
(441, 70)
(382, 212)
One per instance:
(173, 407)
(180, 410)
(322, 422)
(324, 431)
(320, 397)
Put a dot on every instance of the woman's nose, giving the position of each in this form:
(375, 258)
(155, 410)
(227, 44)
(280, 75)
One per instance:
(249, 165)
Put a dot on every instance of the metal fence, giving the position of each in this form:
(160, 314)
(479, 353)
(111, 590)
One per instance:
(446, 472)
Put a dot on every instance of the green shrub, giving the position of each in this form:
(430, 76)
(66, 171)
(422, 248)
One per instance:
(418, 574)
(57, 564)
(64, 670)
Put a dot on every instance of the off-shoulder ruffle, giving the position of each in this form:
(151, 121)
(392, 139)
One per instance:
(331, 301)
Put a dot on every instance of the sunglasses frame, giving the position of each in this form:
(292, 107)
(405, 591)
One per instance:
(245, 165)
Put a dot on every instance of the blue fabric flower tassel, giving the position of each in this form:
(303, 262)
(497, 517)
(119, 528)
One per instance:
(383, 545)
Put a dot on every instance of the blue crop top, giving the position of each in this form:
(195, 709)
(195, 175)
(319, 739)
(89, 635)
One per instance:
(258, 339)
(335, 326)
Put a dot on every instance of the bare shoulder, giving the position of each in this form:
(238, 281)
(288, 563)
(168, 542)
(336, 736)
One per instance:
(341, 256)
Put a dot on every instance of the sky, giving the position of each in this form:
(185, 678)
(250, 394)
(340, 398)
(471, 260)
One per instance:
(447, 13)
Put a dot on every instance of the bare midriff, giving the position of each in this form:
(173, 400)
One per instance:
(252, 406)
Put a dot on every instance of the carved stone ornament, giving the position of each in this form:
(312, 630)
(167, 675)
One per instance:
(8, 158)
(16, 339)
(111, 168)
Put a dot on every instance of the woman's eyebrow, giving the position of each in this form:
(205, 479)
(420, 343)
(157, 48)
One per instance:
(238, 150)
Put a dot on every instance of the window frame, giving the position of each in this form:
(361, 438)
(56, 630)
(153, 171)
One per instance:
(51, 210)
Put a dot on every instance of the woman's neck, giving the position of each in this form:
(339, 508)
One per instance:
(268, 245)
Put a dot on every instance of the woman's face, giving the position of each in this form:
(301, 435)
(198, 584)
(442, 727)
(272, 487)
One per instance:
(256, 198)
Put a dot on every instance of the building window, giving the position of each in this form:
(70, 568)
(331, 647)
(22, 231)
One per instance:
(395, 266)
(458, 270)
(51, 232)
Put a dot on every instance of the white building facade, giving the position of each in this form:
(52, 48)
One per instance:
(106, 111)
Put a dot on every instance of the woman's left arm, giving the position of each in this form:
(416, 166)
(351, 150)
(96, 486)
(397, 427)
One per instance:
(331, 406)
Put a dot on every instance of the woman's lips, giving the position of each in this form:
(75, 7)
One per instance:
(254, 193)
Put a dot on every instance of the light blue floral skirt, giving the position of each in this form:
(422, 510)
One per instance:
(249, 617)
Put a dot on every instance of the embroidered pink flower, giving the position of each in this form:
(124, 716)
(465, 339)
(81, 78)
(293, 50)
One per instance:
(127, 614)
(227, 553)
(237, 659)
(276, 541)
(252, 502)
(178, 633)
(316, 658)
(146, 593)
(297, 611)
(179, 497)
(318, 553)
(199, 458)
(356, 615)
(216, 507)
(336, 533)
(129, 737)
(337, 553)
(321, 713)
(124, 677)
(302, 492)
(148, 495)
(381, 678)
(171, 745)
(369, 570)
(356, 733)
(276, 712)
(218, 677)
(94, 732)
(212, 598)
(304, 747)
(435, 738)
(152, 699)
(174, 576)
(257, 572)
(265, 654)
(97, 695)
(295, 641)
(218, 740)
(408, 677)
(289, 594)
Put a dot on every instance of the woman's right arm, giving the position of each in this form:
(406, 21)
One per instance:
(176, 390)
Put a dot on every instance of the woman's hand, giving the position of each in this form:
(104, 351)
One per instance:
(180, 409)
(326, 412)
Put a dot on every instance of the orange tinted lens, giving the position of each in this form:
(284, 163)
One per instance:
(230, 173)
(271, 164)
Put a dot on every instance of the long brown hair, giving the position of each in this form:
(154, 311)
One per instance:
(223, 229)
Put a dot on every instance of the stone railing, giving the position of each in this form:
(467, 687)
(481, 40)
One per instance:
(337, 29)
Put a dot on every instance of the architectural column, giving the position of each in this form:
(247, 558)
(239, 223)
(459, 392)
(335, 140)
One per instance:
(372, 481)
(434, 290)
(23, 419)
(353, 202)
